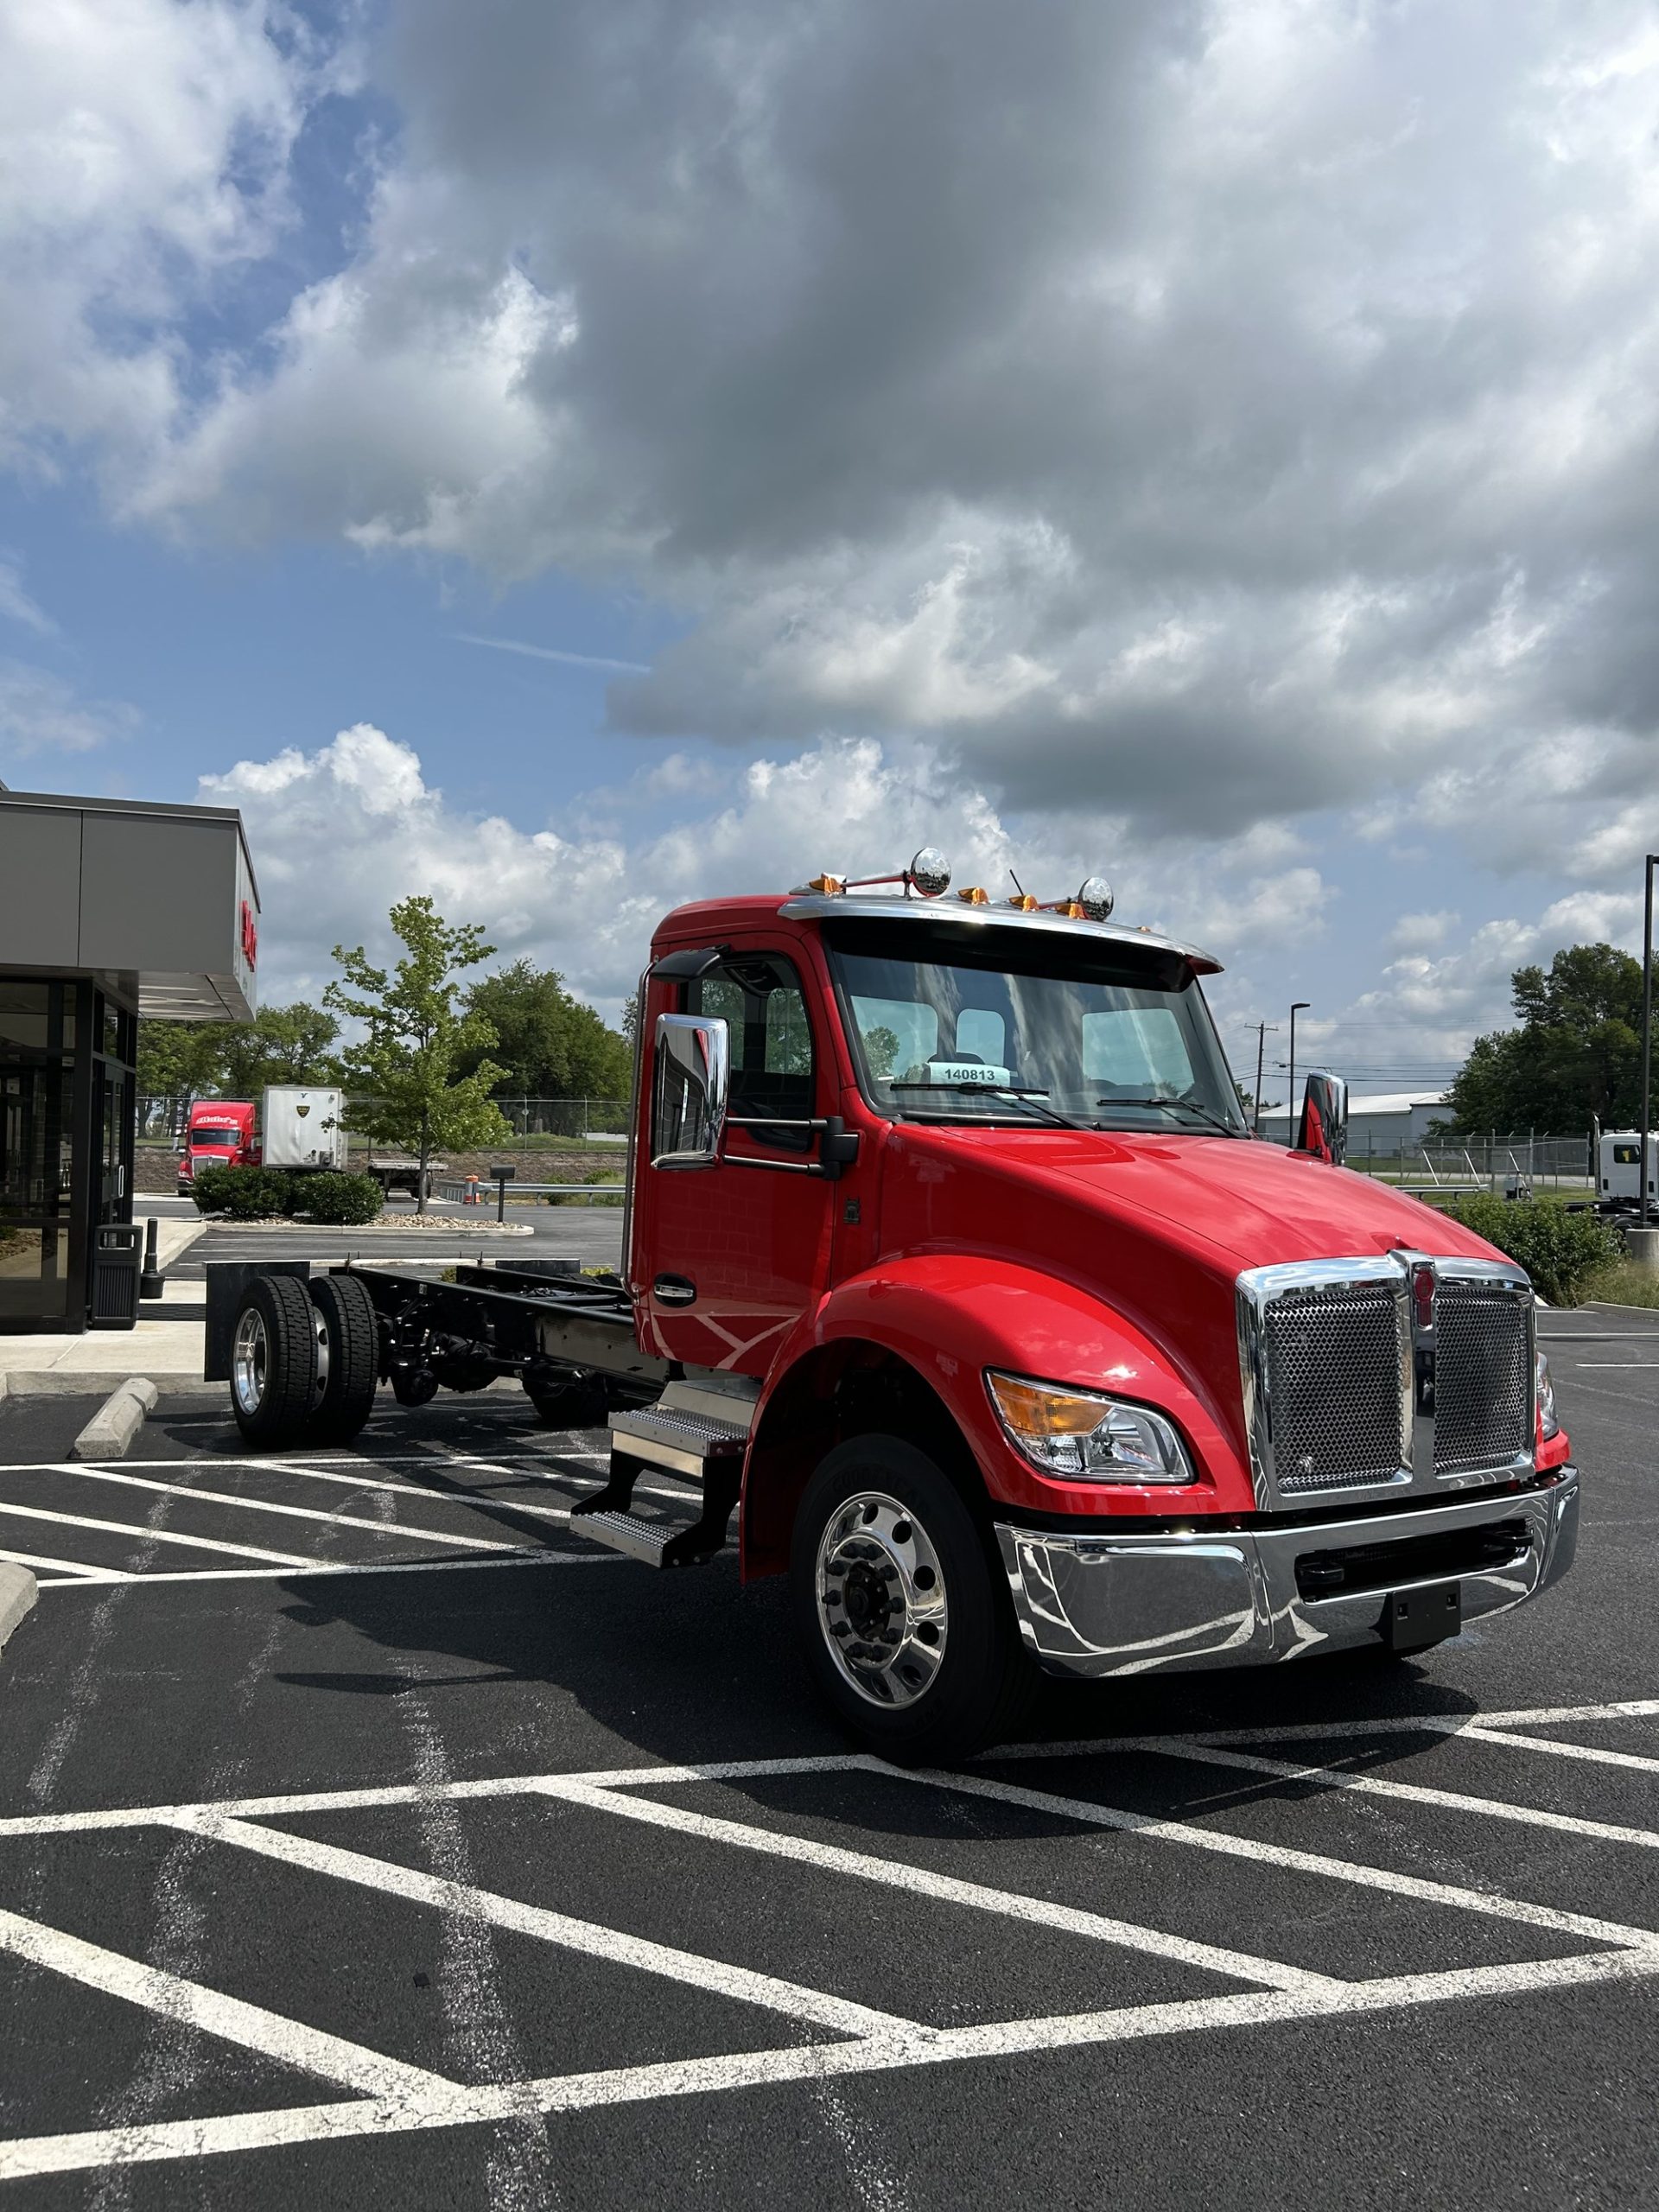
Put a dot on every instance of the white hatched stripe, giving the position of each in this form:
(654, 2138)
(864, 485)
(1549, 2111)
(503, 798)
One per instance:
(1373, 1785)
(618, 2085)
(290, 1512)
(921, 1881)
(141, 1534)
(712, 1975)
(533, 1556)
(72, 1567)
(270, 2033)
(1592, 1754)
(1090, 1815)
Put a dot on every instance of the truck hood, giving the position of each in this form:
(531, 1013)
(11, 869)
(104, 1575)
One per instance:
(1260, 1204)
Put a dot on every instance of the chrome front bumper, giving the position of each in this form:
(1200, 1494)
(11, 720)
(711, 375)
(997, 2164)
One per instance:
(1162, 1603)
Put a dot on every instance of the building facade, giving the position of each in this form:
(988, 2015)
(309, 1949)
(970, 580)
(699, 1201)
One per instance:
(109, 909)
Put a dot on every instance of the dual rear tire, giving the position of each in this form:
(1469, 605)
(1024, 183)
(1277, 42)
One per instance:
(304, 1361)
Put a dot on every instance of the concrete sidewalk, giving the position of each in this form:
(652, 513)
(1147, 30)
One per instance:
(166, 1350)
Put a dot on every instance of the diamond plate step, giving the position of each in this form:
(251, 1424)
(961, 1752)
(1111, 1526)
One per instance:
(655, 1543)
(685, 1442)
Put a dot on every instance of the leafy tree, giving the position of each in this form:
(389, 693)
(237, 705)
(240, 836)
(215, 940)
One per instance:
(1577, 1052)
(179, 1059)
(881, 1051)
(546, 1043)
(191, 1059)
(282, 1043)
(410, 1059)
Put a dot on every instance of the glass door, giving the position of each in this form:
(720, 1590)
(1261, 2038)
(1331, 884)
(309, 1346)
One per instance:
(38, 1275)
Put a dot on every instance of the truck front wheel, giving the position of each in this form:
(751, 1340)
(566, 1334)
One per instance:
(906, 1624)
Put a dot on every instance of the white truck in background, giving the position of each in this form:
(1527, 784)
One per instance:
(1619, 1172)
(305, 1128)
(302, 1126)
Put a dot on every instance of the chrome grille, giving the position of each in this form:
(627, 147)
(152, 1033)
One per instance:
(1483, 1384)
(1336, 1404)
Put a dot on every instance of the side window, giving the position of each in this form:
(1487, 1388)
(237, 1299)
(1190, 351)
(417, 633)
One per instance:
(759, 997)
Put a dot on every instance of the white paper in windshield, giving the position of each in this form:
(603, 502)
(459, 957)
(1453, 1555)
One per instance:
(947, 1072)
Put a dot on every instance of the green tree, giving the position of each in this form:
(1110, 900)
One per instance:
(282, 1043)
(547, 1043)
(237, 1059)
(409, 1060)
(1577, 1052)
(179, 1059)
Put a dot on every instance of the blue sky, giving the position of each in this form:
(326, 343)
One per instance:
(1209, 441)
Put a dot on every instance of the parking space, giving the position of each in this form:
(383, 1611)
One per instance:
(445, 1858)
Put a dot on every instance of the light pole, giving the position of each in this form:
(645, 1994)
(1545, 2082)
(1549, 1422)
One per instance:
(1647, 1032)
(1299, 1006)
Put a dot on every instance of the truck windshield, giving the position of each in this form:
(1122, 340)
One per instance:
(989, 1032)
(204, 1134)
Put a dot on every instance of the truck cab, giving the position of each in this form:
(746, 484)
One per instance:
(219, 1134)
(952, 1266)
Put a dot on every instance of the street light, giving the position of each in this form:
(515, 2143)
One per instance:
(1647, 1033)
(1299, 1006)
(1261, 1049)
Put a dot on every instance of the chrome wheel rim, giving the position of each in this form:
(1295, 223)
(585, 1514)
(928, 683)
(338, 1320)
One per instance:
(320, 1326)
(250, 1361)
(881, 1600)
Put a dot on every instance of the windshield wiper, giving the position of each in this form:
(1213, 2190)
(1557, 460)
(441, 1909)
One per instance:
(1027, 1097)
(1178, 1106)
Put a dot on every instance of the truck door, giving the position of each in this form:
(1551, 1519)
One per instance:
(731, 1255)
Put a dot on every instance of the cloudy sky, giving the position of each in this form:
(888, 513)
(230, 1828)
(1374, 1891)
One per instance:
(574, 458)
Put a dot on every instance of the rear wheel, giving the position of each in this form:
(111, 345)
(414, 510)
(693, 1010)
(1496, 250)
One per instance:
(348, 1359)
(906, 1624)
(274, 1361)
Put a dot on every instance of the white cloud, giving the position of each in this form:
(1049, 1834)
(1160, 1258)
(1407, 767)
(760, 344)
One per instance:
(17, 605)
(338, 835)
(39, 712)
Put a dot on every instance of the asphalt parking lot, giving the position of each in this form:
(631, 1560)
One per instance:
(368, 1838)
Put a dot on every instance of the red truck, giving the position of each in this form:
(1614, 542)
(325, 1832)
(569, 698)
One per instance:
(951, 1266)
(220, 1134)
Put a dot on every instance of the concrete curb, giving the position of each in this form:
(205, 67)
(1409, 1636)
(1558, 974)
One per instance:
(109, 1433)
(17, 1595)
(87, 1382)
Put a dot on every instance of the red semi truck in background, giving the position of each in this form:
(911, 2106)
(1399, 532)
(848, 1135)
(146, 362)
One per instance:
(221, 1132)
(952, 1266)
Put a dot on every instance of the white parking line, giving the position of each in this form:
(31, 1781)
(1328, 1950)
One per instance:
(141, 1534)
(1219, 1840)
(1591, 1754)
(1373, 1785)
(292, 1512)
(921, 1881)
(271, 2034)
(586, 1937)
(160, 2140)
(74, 1568)
(533, 1555)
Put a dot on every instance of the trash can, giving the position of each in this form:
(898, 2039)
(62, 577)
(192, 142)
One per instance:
(118, 1251)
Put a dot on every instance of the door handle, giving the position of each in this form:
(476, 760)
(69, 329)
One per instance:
(674, 1290)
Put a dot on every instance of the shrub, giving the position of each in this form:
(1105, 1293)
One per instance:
(242, 1193)
(335, 1198)
(1560, 1251)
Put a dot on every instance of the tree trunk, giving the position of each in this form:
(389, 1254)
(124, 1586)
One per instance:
(420, 1176)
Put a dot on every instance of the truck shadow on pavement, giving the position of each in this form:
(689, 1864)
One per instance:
(691, 1668)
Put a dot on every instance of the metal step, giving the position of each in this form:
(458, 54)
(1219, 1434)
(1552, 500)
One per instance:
(655, 1543)
(684, 1442)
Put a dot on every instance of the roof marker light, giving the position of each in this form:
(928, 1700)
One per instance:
(976, 895)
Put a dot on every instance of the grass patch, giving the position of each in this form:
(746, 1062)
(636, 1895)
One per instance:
(1624, 1284)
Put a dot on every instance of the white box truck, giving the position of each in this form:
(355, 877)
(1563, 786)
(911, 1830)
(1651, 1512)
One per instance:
(304, 1128)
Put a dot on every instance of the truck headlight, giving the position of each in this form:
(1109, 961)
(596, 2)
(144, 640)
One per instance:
(1087, 1436)
(1550, 1422)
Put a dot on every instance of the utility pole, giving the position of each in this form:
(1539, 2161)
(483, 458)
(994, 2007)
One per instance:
(1647, 1033)
(1299, 1006)
(1261, 1048)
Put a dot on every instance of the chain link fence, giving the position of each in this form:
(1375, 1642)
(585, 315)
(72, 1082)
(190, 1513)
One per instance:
(1491, 1163)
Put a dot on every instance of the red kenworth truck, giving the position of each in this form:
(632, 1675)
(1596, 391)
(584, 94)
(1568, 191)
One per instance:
(952, 1264)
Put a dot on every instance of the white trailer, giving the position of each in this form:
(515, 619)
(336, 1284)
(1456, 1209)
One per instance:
(1619, 1172)
(304, 1128)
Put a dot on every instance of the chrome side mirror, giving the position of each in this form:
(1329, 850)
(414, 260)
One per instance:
(1324, 1117)
(690, 1076)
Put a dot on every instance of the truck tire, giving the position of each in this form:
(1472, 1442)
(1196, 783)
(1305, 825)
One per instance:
(350, 1345)
(907, 1626)
(274, 1361)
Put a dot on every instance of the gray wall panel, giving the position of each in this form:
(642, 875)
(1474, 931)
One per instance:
(40, 888)
(158, 894)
